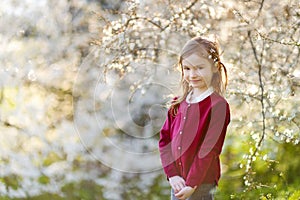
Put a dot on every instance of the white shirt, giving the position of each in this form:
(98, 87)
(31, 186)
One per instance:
(202, 96)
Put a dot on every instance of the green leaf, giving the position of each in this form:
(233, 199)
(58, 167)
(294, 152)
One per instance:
(44, 179)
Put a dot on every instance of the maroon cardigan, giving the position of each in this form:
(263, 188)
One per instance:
(191, 142)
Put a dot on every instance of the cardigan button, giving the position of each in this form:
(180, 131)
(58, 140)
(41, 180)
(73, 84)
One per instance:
(184, 117)
(179, 148)
(180, 132)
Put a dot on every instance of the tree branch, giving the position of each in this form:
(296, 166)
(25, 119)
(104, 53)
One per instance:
(183, 10)
(261, 85)
(260, 9)
(264, 36)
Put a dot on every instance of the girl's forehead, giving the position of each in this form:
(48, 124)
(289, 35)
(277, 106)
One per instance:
(195, 59)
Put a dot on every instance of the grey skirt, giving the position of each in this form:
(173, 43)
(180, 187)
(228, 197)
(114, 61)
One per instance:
(204, 192)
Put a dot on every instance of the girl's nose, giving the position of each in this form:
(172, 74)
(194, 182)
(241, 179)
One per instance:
(194, 73)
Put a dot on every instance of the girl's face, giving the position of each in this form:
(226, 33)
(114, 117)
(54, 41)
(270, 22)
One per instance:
(198, 71)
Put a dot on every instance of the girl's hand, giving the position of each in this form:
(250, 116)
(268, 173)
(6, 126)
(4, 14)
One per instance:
(177, 183)
(185, 193)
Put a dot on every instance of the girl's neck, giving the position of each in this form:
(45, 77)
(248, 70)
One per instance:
(198, 95)
(198, 92)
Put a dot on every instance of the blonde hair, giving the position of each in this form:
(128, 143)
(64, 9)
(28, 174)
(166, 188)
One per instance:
(206, 49)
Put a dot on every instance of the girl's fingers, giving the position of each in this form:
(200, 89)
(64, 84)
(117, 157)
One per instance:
(176, 188)
(179, 195)
(179, 186)
(177, 183)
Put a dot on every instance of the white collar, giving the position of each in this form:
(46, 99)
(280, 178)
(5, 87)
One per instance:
(202, 96)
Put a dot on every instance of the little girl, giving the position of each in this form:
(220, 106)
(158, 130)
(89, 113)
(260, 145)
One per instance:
(192, 136)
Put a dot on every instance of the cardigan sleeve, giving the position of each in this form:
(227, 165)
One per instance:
(216, 126)
(168, 162)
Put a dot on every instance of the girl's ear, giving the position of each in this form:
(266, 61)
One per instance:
(215, 67)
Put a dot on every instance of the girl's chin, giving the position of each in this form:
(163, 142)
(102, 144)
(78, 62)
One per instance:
(199, 86)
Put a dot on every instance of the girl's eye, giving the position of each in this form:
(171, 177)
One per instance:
(186, 68)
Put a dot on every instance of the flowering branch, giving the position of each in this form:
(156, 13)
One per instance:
(261, 85)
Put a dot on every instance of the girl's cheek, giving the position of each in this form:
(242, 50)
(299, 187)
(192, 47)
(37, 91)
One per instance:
(185, 74)
(199, 73)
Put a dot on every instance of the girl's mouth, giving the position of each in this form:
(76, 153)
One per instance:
(194, 81)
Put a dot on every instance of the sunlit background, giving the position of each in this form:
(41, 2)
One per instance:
(84, 86)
